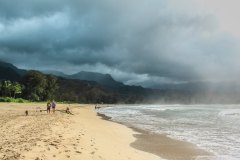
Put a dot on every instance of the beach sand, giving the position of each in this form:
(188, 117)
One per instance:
(83, 135)
(168, 148)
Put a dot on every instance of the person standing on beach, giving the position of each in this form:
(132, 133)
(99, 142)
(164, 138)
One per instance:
(53, 106)
(48, 107)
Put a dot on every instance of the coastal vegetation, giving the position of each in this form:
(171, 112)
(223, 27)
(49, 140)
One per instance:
(36, 86)
(84, 87)
(10, 99)
(10, 89)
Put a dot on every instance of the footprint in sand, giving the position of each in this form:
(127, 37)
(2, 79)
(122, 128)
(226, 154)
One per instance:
(67, 156)
(79, 152)
(67, 150)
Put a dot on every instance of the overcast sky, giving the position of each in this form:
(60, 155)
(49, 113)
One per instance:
(144, 42)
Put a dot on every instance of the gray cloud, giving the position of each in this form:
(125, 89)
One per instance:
(137, 42)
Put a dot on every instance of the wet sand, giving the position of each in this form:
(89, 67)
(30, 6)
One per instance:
(167, 148)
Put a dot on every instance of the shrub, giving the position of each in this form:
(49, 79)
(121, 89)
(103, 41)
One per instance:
(16, 100)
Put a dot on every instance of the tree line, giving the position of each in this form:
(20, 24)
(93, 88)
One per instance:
(34, 86)
(10, 89)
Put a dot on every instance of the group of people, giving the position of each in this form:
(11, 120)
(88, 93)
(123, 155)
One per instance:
(50, 105)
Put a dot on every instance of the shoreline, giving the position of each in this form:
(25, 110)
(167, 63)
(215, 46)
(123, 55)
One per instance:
(162, 145)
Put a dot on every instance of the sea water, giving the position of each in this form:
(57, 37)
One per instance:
(215, 128)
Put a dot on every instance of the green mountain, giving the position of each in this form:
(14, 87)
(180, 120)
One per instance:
(9, 72)
(10, 66)
(55, 73)
(84, 87)
(103, 79)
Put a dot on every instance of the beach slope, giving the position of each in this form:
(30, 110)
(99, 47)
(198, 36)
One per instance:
(83, 135)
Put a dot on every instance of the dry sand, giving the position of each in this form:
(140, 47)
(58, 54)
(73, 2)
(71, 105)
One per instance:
(82, 136)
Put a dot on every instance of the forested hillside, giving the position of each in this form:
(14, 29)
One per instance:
(102, 88)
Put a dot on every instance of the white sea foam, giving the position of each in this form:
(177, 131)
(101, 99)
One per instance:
(215, 128)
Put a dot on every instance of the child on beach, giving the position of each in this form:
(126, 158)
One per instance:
(26, 112)
(48, 107)
(68, 111)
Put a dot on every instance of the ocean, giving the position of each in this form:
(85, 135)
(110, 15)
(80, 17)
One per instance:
(215, 128)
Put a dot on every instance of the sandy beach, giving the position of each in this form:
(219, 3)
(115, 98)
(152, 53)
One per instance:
(83, 135)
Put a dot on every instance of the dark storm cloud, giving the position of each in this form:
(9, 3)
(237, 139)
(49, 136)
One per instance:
(26, 9)
(136, 41)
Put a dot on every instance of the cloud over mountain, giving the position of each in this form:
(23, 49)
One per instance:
(138, 42)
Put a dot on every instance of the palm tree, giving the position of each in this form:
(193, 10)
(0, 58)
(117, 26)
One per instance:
(6, 88)
(16, 88)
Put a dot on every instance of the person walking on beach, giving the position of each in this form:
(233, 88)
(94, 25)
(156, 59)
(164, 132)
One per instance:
(48, 107)
(53, 106)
